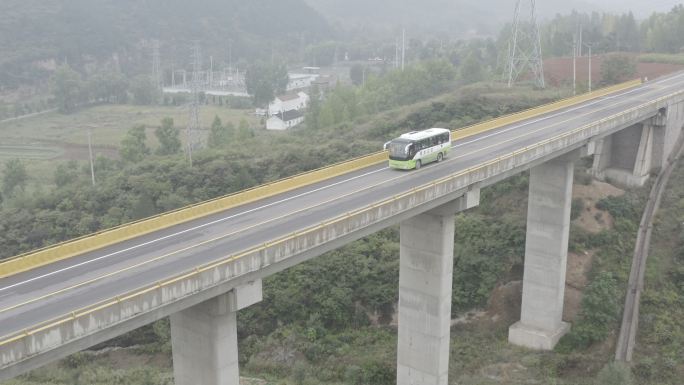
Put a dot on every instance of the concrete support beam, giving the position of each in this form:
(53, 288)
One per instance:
(204, 338)
(629, 156)
(644, 156)
(626, 156)
(425, 276)
(546, 250)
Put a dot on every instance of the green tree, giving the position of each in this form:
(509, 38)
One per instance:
(314, 108)
(108, 87)
(133, 147)
(144, 90)
(66, 173)
(617, 68)
(327, 116)
(264, 81)
(169, 137)
(67, 88)
(357, 75)
(471, 71)
(244, 131)
(14, 177)
(220, 135)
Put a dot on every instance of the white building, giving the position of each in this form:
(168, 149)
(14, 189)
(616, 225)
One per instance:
(284, 120)
(289, 102)
(300, 81)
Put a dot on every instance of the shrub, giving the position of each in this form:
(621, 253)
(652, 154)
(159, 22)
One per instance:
(618, 207)
(615, 373)
(379, 373)
(576, 208)
(599, 313)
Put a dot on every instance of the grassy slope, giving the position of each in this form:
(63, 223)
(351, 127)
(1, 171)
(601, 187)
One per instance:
(659, 355)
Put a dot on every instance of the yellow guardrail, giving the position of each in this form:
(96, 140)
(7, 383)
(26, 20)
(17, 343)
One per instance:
(124, 232)
(86, 311)
(539, 111)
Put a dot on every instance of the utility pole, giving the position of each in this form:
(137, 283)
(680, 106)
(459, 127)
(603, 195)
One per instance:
(193, 118)
(574, 65)
(579, 47)
(590, 60)
(90, 152)
(403, 47)
(525, 47)
(156, 67)
(230, 55)
(396, 53)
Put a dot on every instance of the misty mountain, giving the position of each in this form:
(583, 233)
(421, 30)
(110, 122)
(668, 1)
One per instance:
(86, 31)
(462, 17)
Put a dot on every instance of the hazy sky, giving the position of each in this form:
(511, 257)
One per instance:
(642, 8)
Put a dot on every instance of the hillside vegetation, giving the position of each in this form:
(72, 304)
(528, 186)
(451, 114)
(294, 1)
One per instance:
(83, 32)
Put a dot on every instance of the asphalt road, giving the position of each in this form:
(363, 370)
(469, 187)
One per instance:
(47, 292)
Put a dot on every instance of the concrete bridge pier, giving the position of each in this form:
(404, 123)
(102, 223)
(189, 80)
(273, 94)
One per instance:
(204, 338)
(546, 250)
(425, 276)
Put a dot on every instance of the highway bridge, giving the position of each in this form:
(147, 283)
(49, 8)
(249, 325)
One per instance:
(202, 264)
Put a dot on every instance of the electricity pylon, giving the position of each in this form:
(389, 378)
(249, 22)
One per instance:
(524, 48)
(193, 118)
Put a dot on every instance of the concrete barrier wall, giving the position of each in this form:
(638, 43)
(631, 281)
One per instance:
(84, 322)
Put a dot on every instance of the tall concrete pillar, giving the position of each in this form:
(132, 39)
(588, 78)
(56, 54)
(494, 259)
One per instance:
(546, 250)
(204, 338)
(425, 276)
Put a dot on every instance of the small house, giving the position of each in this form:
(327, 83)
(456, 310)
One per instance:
(285, 120)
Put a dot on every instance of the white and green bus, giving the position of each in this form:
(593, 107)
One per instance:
(417, 148)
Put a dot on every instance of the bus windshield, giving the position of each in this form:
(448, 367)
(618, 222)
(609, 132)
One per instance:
(400, 149)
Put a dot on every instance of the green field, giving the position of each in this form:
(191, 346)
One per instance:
(44, 141)
(110, 123)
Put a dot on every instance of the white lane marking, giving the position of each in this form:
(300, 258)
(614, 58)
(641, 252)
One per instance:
(319, 189)
(187, 230)
(601, 99)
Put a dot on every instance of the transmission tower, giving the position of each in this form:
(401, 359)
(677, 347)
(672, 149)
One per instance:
(524, 48)
(156, 68)
(193, 118)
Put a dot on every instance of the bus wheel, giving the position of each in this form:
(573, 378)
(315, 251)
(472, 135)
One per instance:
(418, 164)
(439, 157)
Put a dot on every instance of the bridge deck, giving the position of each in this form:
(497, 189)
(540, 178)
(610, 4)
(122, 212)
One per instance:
(37, 295)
